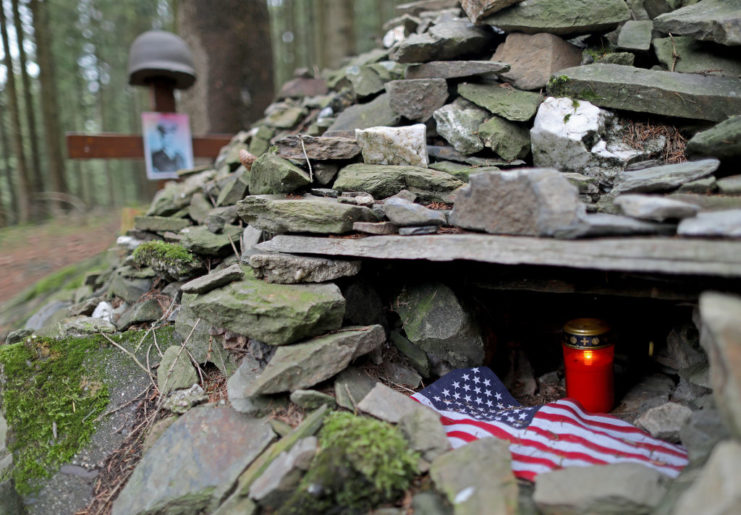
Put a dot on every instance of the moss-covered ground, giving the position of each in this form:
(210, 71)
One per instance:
(170, 253)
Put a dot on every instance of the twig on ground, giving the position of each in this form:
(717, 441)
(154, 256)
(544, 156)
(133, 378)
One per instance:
(308, 162)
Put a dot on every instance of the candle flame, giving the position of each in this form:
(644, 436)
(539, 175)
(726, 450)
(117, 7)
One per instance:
(588, 355)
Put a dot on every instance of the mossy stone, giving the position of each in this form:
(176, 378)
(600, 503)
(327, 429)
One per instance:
(273, 174)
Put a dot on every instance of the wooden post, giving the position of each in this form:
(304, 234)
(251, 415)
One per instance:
(163, 95)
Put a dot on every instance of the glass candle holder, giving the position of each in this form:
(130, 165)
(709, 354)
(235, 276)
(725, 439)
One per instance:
(588, 353)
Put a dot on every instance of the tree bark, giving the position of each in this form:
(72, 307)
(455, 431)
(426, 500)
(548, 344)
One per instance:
(339, 40)
(24, 187)
(49, 103)
(235, 72)
(37, 181)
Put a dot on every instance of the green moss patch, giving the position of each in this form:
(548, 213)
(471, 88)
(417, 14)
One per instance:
(363, 462)
(169, 253)
(51, 402)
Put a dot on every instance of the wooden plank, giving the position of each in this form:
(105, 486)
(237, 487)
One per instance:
(131, 146)
(682, 256)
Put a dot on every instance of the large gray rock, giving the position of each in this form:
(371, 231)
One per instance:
(682, 95)
(561, 17)
(533, 58)
(454, 69)
(435, 320)
(214, 280)
(301, 147)
(446, 40)
(319, 216)
(635, 35)
(382, 181)
(618, 488)
(273, 174)
(305, 364)
(425, 433)
(459, 123)
(387, 404)
(665, 421)
(394, 145)
(663, 178)
(275, 314)
(710, 20)
(404, 213)
(509, 103)
(375, 113)
(477, 9)
(527, 202)
(417, 99)
(717, 223)
(722, 141)
(365, 81)
(721, 339)
(220, 444)
(509, 140)
(477, 478)
(290, 269)
(716, 488)
(650, 207)
(694, 57)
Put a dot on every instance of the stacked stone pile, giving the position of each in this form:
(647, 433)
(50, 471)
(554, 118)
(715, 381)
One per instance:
(489, 117)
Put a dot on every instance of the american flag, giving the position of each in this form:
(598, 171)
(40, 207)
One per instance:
(473, 403)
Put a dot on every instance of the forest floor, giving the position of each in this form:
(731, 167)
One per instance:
(30, 252)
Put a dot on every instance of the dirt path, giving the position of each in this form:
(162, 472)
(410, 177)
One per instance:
(29, 253)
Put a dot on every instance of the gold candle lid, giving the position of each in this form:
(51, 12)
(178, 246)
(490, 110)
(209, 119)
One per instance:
(586, 333)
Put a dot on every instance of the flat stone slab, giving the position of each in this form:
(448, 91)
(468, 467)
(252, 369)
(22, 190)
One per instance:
(715, 224)
(454, 69)
(649, 207)
(662, 255)
(289, 269)
(722, 141)
(561, 17)
(694, 57)
(220, 444)
(382, 181)
(507, 102)
(322, 148)
(160, 223)
(375, 113)
(710, 20)
(663, 178)
(213, 280)
(683, 95)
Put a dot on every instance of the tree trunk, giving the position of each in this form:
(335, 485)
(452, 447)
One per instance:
(49, 104)
(339, 40)
(24, 187)
(37, 181)
(235, 72)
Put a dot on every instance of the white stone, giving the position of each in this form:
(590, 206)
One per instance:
(104, 311)
(394, 145)
(650, 207)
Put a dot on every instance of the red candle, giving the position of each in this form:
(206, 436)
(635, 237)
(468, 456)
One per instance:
(588, 353)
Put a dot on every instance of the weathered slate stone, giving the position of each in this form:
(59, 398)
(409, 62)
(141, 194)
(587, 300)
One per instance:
(509, 140)
(722, 141)
(175, 196)
(717, 223)
(404, 213)
(702, 432)
(305, 364)
(351, 386)
(375, 113)
(159, 223)
(200, 240)
(709, 20)
(721, 339)
(321, 148)
(394, 145)
(417, 99)
(418, 230)
(635, 35)
(730, 185)
(477, 478)
(234, 188)
(382, 181)
(458, 123)
(477, 9)
(716, 488)
(290, 269)
(220, 443)
(275, 314)
(604, 224)
(425, 433)
(283, 115)
(216, 279)
(365, 82)
(388, 404)
(322, 216)
(435, 320)
(446, 40)
(312, 399)
(527, 202)
(683, 95)
(148, 310)
(416, 356)
(648, 207)
(175, 370)
(665, 421)
(616, 488)
(273, 174)
(509, 103)
(375, 227)
(303, 87)
(128, 289)
(239, 384)
(454, 69)
(663, 178)
(561, 17)
(694, 57)
(282, 476)
(533, 58)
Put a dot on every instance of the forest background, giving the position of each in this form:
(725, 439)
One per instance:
(63, 68)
